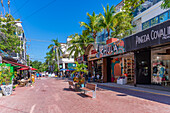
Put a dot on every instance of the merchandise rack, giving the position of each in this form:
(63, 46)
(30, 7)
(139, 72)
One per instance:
(128, 68)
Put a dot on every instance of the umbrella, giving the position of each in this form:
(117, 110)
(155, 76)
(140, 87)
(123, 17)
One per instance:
(70, 69)
(27, 69)
(63, 69)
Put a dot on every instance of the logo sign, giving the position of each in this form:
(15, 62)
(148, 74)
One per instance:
(155, 35)
(163, 33)
(6, 89)
(112, 49)
(93, 52)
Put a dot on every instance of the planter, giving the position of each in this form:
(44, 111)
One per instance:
(6, 89)
(77, 87)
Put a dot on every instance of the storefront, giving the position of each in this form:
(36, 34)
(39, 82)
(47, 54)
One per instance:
(117, 62)
(151, 49)
(95, 64)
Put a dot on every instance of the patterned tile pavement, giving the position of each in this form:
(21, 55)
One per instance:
(53, 96)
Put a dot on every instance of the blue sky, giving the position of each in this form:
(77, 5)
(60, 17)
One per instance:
(59, 20)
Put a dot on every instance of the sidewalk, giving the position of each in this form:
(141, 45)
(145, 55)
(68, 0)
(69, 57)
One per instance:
(139, 89)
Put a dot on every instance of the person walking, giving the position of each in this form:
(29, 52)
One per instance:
(37, 74)
(89, 76)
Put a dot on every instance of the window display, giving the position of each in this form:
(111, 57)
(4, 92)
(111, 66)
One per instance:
(161, 67)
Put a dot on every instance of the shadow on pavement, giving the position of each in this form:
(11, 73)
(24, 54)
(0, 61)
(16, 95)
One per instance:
(121, 95)
(68, 89)
(83, 95)
(144, 95)
(17, 110)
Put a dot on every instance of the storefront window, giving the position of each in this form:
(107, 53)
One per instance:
(154, 21)
(145, 25)
(161, 67)
(163, 17)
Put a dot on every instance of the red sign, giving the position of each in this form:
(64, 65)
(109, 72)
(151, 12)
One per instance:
(93, 52)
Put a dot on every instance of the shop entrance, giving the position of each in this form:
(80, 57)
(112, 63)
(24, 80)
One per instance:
(143, 67)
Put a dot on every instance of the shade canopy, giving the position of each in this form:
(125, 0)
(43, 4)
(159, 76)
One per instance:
(63, 69)
(27, 69)
(15, 64)
(70, 69)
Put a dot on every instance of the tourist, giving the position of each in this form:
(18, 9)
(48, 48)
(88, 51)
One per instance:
(89, 76)
(98, 77)
(37, 74)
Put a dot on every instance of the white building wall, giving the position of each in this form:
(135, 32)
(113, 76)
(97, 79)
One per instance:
(148, 14)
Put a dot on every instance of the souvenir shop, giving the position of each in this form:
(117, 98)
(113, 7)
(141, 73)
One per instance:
(151, 54)
(117, 62)
(95, 64)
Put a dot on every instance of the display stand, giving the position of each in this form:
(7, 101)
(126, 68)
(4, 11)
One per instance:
(128, 68)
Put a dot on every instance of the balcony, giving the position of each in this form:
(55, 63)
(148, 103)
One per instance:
(146, 5)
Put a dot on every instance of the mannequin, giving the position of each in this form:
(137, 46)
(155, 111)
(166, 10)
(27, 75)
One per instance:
(161, 72)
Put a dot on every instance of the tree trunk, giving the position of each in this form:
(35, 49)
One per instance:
(108, 31)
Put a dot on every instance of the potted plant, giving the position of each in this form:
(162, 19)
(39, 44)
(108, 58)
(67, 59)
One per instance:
(80, 80)
(5, 79)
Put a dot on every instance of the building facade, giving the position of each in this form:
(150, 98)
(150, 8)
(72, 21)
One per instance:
(144, 56)
(21, 57)
(66, 62)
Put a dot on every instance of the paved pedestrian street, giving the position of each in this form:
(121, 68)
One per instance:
(53, 96)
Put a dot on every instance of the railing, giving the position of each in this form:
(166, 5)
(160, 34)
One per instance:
(146, 5)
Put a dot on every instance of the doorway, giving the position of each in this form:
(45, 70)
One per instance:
(143, 66)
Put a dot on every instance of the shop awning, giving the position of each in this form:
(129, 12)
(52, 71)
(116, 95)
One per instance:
(27, 68)
(14, 64)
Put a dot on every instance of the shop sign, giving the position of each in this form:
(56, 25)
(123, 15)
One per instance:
(158, 34)
(61, 66)
(71, 65)
(93, 52)
(112, 49)
(79, 59)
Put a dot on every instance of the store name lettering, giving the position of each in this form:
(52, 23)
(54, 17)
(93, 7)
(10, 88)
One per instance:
(109, 49)
(154, 35)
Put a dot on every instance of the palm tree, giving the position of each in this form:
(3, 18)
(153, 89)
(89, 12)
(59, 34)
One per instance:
(56, 46)
(74, 47)
(49, 59)
(80, 68)
(78, 43)
(165, 4)
(93, 26)
(123, 25)
(85, 40)
(56, 50)
(108, 20)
